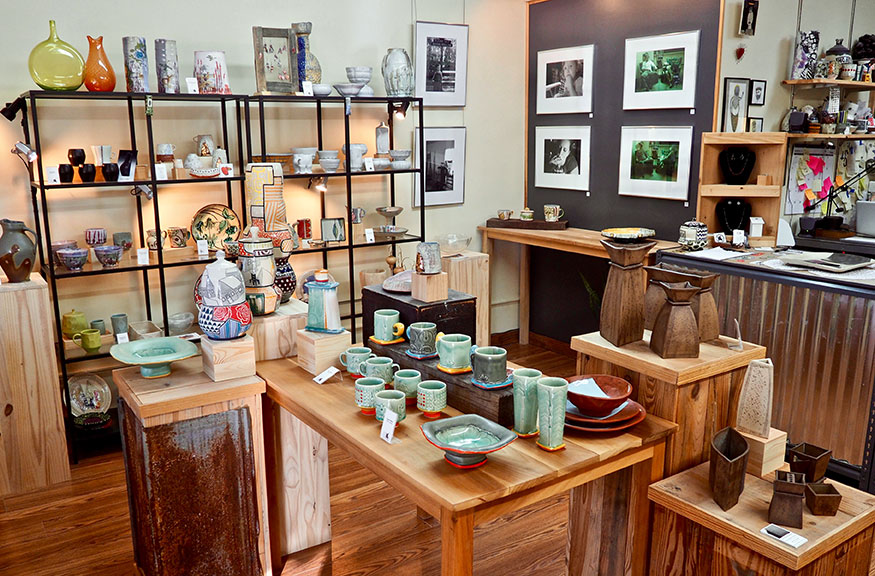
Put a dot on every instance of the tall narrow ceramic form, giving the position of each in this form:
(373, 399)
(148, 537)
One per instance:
(552, 399)
(17, 251)
(525, 401)
(622, 314)
(675, 333)
(167, 66)
(223, 312)
(323, 314)
(99, 75)
(136, 64)
(729, 451)
(265, 204)
(55, 64)
(308, 66)
(398, 73)
(211, 72)
(755, 399)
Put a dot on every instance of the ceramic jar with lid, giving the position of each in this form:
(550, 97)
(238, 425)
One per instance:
(839, 53)
(693, 235)
(223, 311)
(73, 322)
(323, 314)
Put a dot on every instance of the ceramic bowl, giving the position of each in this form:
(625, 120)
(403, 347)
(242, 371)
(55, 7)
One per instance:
(109, 255)
(400, 164)
(73, 259)
(366, 91)
(60, 245)
(153, 355)
(180, 322)
(311, 150)
(329, 164)
(399, 154)
(467, 439)
(321, 89)
(390, 211)
(359, 74)
(348, 89)
(144, 329)
(382, 163)
(616, 389)
(328, 154)
(354, 145)
(452, 243)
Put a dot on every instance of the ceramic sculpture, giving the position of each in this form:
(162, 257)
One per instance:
(729, 452)
(259, 272)
(55, 64)
(17, 251)
(136, 64)
(265, 204)
(398, 73)
(323, 314)
(223, 312)
(167, 66)
(99, 75)
(308, 66)
(622, 312)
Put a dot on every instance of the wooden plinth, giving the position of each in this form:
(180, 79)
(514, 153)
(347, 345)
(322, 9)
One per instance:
(228, 359)
(766, 454)
(317, 351)
(430, 287)
(469, 273)
(456, 315)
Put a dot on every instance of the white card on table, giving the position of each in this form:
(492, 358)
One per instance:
(52, 175)
(369, 164)
(737, 237)
(122, 337)
(160, 171)
(387, 431)
(307, 88)
(324, 376)
(191, 85)
(369, 235)
(142, 256)
(203, 248)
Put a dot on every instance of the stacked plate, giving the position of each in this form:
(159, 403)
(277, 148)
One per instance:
(625, 414)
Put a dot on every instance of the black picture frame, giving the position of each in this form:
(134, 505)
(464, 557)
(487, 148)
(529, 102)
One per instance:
(735, 123)
(754, 124)
(747, 25)
(761, 100)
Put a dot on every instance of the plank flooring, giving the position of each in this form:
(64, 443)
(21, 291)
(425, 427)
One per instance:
(83, 526)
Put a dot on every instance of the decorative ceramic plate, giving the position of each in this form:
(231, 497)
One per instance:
(302, 293)
(626, 411)
(401, 283)
(88, 393)
(154, 355)
(215, 223)
(628, 234)
(388, 232)
(605, 428)
(467, 439)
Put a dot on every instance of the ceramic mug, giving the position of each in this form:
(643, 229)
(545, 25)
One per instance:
(353, 358)
(423, 337)
(455, 351)
(431, 398)
(366, 393)
(152, 240)
(123, 239)
(552, 400)
(428, 258)
(380, 367)
(356, 215)
(387, 325)
(99, 325)
(95, 236)
(489, 364)
(303, 163)
(849, 71)
(88, 339)
(527, 215)
(505, 214)
(305, 228)
(119, 323)
(406, 381)
(525, 401)
(553, 212)
(390, 400)
(178, 236)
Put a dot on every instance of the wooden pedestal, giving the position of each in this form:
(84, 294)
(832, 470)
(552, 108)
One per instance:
(766, 454)
(317, 351)
(33, 447)
(456, 315)
(228, 359)
(469, 273)
(430, 287)
(273, 337)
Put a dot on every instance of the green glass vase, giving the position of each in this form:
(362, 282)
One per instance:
(56, 65)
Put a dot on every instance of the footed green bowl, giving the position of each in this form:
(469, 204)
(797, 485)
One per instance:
(467, 439)
(153, 355)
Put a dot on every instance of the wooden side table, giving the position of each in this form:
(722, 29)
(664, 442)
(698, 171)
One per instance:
(194, 461)
(696, 393)
(692, 535)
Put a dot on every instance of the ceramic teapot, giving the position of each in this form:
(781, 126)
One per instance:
(73, 322)
(17, 251)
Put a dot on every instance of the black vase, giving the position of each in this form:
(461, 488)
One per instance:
(76, 156)
(87, 172)
(110, 172)
(65, 173)
(737, 165)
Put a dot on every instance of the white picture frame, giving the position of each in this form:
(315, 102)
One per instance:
(441, 63)
(557, 150)
(444, 166)
(655, 161)
(561, 92)
(661, 84)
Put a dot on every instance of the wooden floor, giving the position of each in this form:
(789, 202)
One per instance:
(82, 527)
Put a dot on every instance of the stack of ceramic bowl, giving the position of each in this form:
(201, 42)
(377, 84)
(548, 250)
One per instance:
(223, 312)
(361, 75)
(600, 403)
(400, 159)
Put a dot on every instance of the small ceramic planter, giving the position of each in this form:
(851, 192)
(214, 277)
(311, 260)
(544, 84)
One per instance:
(787, 500)
(822, 499)
(366, 394)
(393, 400)
(810, 460)
(729, 452)
(525, 401)
(552, 397)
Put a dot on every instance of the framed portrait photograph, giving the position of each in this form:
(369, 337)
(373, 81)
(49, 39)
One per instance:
(748, 23)
(276, 59)
(754, 124)
(333, 229)
(655, 162)
(441, 63)
(660, 71)
(757, 92)
(562, 157)
(565, 80)
(735, 101)
(444, 166)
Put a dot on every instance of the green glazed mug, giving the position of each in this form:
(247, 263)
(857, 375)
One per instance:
(406, 381)
(88, 339)
(431, 398)
(393, 400)
(489, 364)
(552, 400)
(387, 325)
(525, 401)
(380, 367)
(366, 393)
(354, 357)
(455, 351)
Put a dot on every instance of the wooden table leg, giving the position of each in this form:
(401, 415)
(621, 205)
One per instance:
(457, 543)
(525, 253)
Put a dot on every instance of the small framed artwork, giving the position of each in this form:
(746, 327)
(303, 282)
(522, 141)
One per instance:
(655, 162)
(441, 63)
(444, 166)
(754, 124)
(562, 157)
(735, 101)
(748, 23)
(333, 229)
(660, 71)
(757, 92)
(565, 80)
(276, 59)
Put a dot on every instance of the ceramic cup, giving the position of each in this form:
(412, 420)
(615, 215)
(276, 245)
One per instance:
(428, 258)
(431, 398)
(119, 323)
(152, 239)
(110, 171)
(455, 351)
(366, 393)
(353, 358)
(76, 156)
(387, 325)
(553, 212)
(849, 71)
(505, 214)
(95, 236)
(102, 154)
(380, 367)
(423, 337)
(527, 215)
(552, 399)
(87, 172)
(305, 228)
(88, 339)
(99, 325)
(356, 215)
(303, 163)
(123, 239)
(406, 381)
(65, 173)
(390, 400)
(525, 401)
(178, 236)
(489, 364)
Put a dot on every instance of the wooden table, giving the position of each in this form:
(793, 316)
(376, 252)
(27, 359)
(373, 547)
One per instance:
(692, 535)
(576, 240)
(608, 514)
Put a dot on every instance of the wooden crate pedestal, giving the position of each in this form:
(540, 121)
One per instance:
(317, 350)
(228, 359)
(468, 272)
(455, 315)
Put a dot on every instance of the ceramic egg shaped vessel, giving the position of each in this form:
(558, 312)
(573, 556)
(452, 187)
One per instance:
(221, 284)
(225, 322)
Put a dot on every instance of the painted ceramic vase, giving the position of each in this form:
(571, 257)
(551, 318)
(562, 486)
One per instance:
(263, 301)
(286, 280)
(265, 204)
(136, 64)
(17, 251)
(308, 66)
(224, 322)
(167, 66)
(256, 258)
(223, 311)
(398, 73)
(55, 64)
(323, 314)
(211, 72)
(805, 55)
(99, 75)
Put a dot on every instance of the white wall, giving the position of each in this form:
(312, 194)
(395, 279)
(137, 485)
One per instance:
(345, 32)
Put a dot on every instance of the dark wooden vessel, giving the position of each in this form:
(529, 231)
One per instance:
(621, 320)
(675, 333)
(729, 452)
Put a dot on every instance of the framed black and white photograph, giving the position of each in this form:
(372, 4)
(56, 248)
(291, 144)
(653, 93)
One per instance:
(276, 60)
(735, 101)
(333, 229)
(754, 124)
(565, 80)
(748, 22)
(562, 157)
(655, 162)
(441, 63)
(444, 166)
(757, 92)
(660, 71)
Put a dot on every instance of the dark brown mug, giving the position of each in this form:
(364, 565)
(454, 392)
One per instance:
(87, 172)
(65, 173)
(110, 172)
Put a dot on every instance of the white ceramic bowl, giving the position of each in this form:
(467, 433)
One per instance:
(349, 89)
(329, 164)
(399, 154)
(359, 74)
(323, 154)
(381, 163)
(400, 164)
(311, 150)
(321, 89)
(366, 91)
(363, 147)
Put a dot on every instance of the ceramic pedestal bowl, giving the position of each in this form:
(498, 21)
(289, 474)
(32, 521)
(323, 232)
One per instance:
(467, 439)
(348, 89)
(60, 245)
(328, 154)
(153, 355)
(180, 322)
(73, 259)
(628, 235)
(616, 392)
(390, 211)
(359, 74)
(452, 243)
(399, 154)
(109, 255)
(311, 150)
(321, 89)
(329, 165)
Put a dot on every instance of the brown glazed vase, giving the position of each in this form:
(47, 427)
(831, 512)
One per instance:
(17, 251)
(99, 75)
(729, 451)
(621, 320)
(675, 333)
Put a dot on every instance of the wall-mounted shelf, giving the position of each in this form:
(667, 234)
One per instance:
(830, 136)
(825, 83)
(747, 191)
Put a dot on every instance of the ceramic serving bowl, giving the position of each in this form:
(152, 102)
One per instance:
(328, 154)
(180, 322)
(359, 74)
(321, 89)
(467, 439)
(60, 245)
(330, 164)
(311, 150)
(400, 164)
(73, 259)
(144, 329)
(399, 154)
(452, 244)
(616, 392)
(153, 355)
(389, 211)
(109, 255)
(382, 163)
(348, 89)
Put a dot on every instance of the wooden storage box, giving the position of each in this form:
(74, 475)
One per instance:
(456, 315)
(317, 351)
(766, 454)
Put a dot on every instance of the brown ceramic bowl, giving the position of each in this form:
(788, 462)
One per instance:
(617, 389)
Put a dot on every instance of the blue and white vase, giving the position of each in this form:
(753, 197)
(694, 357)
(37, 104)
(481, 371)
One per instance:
(136, 64)
(308, 66)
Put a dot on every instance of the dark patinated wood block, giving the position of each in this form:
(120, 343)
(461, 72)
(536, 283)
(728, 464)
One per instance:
(455, 315)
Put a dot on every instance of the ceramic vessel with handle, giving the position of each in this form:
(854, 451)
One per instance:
(17, 251)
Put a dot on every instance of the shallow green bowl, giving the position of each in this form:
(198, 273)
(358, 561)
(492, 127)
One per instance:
(467, 439)
(153, 355)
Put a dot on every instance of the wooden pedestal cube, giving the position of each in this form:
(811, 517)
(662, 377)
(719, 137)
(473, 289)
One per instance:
(430, 287)
(227, 359)
(766, 454)
(274, 337)
(317, 350)
(455, 315)
(468, 272)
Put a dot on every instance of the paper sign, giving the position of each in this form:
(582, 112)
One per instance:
(322, 377)
(387, 432)
(692, 111)
(834, 99)
(225, 170)
(191, 85)
(203, 248)
(369, 164)
(52, 176)
(369, 235)
(121, 337)
(160, 171)
(307, 87)
(142, 256)
(720, 237)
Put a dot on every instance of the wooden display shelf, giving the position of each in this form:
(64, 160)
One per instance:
(830, 136)
(746, 191)
(825, 83)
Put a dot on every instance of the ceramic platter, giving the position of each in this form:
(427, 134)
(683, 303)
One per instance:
(388, 232)
(626, 411)
(607, 427)
(467, 439)
(628, 234)
(302, 293)
(215, 223)
(153, 355)
(89, 393)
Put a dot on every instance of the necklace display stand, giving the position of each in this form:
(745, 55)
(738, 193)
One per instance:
(736, 164)
(733, 215)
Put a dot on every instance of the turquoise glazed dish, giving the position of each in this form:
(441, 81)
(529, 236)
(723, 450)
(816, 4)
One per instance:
(153, 355)
(467, 439)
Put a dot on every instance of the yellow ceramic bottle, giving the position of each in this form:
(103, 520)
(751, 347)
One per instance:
(55, 64)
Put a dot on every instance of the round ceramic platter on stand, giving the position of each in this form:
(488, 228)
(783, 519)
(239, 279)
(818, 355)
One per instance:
(88, 393)
(215, 223)
(153, 355)
(628, 234)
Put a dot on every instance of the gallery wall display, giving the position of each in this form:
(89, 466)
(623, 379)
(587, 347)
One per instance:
(655, 162)
(754, 124)
(441, 63)
(735, 102)
(444, 166)
(276, 59)
(757, 92)
(565, 80)
(660, 71)
(562, 157)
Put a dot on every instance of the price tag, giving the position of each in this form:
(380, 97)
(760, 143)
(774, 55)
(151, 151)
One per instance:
(369, 164)
(324, 376)
(692, 111)
(203, 248)
(307, 88)
(305, 244)
(191, 85)
(122, 337)
(369, 235)
(52, 175)
(738, 237)
(160, 171)
(142, 256)
(387, 432)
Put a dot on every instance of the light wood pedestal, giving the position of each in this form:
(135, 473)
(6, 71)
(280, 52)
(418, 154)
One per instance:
(468, 272)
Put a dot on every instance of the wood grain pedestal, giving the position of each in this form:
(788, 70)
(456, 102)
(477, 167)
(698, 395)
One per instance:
(430, 287)
(468, 272)
(318, 350)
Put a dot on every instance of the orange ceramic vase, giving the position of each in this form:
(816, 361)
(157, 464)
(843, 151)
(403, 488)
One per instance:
(99, 75)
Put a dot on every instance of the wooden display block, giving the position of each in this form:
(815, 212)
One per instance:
(296, 311)
(766, 454)
(430, 287)
(273, 337)
(227, 359)
(106, 339)
(456, 315)
(317, 350)
(468, 272)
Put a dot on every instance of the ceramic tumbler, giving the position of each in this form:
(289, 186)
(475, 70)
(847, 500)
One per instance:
(178, 236)
(366, 393)
(489, 364)
(99, 325)
(525, 401)
(423, 337)
(428, 258)
(136, 64)
(305, 228)
(123, 239)
(431, 398)
(167, 66)
(455, 351)
(353, 358)
(95, 236)
(553, 212)
(552, 400)
(387, 325)
(390, 400)
(88, 339)
(119, 323)
(407, 381)
(380, 367)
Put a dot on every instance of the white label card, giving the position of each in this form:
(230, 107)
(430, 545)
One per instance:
(324, 376)
(387, 431)
(738, 237)
(369, 164)
(142, 256)
(191, 85)
(369, 235)
(52, 175)
(160, 171)
(122, 337)
(203, 248)
(784, 535)
(307, 87)
(834, 100)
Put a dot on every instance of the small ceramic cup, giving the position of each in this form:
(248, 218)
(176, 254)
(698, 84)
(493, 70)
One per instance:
(366, 393)
(387, 325)
(87, 172)
(525, 401)
(527, 215)
(552, 400)
(428, 258)
(303, 163)
(406, 381)
(489, 364)
(119, 323)
(99, 325)
(60, 245)
(380, 367)
(88, 339)
(152, 238)
(390, 400)
(423, 337)
(431, 398)
(553, 212)
(455, 351)
(123, 239)
(353, 358)
(95, 236)
(65, 173)
(178, 236)
(505, 214)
